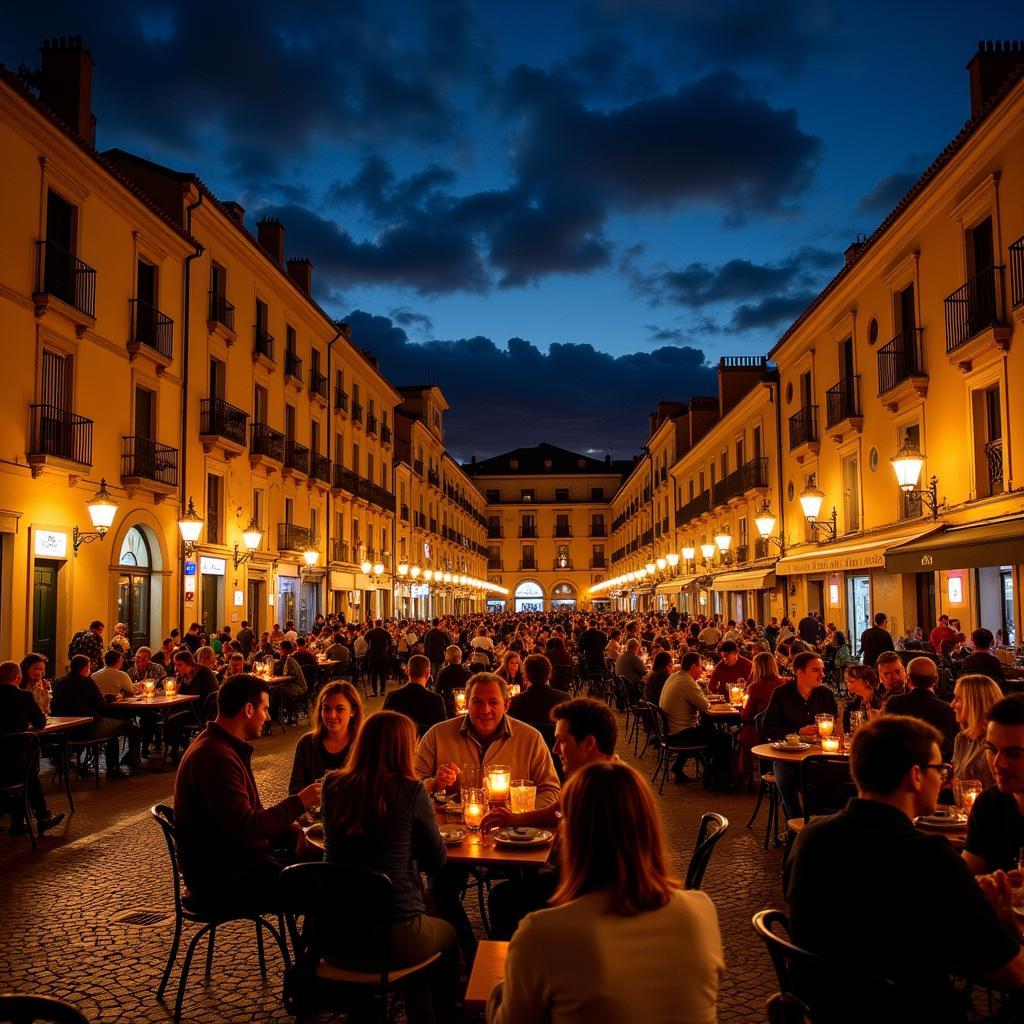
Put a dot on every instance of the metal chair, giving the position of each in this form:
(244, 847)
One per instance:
(666, 749)
(16, 1008)
(825, 787)
(712, 829)
(19, 754)
(209, 921)
(766, 787)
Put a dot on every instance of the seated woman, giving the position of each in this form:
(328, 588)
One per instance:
(866, 692)
(33, 679)
(654, 682)
(764, 678)
(336, 720)
(511, 668)
(616, 917)
(378, 816)
(973, 695)
(556, 651)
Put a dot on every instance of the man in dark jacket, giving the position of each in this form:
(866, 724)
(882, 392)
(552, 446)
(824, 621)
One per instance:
(452, 677)
(76, 695)
(229, 844)
(535, 703)
(435, 643)
(19, 712)
(378, 656)
(246, 639)
(982, 659)
(414, 699)
(591, 644)
(875, 640)
(921, 701)
(809, 629)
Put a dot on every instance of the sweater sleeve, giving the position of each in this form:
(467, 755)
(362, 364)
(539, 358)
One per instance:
(427, 845)
(523, 996)
(426, 757)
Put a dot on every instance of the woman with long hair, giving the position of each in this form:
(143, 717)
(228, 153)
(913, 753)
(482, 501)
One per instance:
(33, 679)
(511, 668)
(654, 683)
(866, 690)
(337, 716)
(973, 695)
(764, 678)
(378, 816)
(618, 916)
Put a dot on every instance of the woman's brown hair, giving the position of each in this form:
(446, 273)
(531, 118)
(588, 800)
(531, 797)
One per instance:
(763, 666)
(613, 841)
(355, 798)
(344, 688)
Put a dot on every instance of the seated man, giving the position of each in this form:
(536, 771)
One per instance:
(731, 669)
(293, 687)
(921, 701)
(452, 677)
(193, 678)
(891, 674)
(19, 712)
(76, 695)
(631, 666)
(535, 703)
(112, 682)
(337, 651)
(995, 829)
(898, 771)
(230, 846)
(982, 660)
(414, 700)
(585, 732)
(793, 707)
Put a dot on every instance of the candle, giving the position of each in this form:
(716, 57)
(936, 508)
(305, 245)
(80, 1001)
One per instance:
(736, 693)
(460, 701)
(149, 689)
(830, 744)
(826, 723)
(513, 689)
(170, 685)
(473, 808)
(499, 779)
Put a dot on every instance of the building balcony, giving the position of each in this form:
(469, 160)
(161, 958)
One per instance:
(385, 434)
(528, 565)
(220, 318)
(433, 478)
(403, 513)
(803, 433)
(152, 334)
(345, 480)
(1017, 277)
(647, 537)
(296, 458)
(417, 467)
(419, 521)
(741, 554)
(842, 408)
(994, 458)
(494, 565)
(293, 538)
(61, 276)
(320, 468)
(318, 386)
(598, 530)
(146, 465)
(357, 413)
(494, 533)
(221, 426)
(699, 506)
(527, 531)
(563, 531)
(266, 446)
(340, 551)
(58, 439)
(292, 367)
(901, 372)
(263, 347)
(340, 400)
(976, 319)
(371, 425)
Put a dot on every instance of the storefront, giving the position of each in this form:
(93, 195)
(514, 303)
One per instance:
(211, 593)
(746, 594)
(287, 593)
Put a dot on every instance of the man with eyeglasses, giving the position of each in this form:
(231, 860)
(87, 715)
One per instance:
(891, 674)
(922, 922)
(995, 829)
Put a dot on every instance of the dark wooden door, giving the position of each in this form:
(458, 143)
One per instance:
(44, 614)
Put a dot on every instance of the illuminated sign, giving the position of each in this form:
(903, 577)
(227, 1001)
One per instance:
(190, 568)
(212, 566)
(955, 589)
(50, 544)
(239, 598)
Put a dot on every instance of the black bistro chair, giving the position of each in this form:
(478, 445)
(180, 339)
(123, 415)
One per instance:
(825, 788)
(184, 910)
(19, 758)
(767, 787)
(18, 1008)
(667, 750)
(346, 916)
(711, 832)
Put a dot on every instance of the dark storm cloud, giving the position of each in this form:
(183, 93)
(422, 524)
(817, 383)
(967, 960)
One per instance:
(406, 317)
(271, 80)
(770, 312)
(664, 335)
(512, 395)
(886, 192)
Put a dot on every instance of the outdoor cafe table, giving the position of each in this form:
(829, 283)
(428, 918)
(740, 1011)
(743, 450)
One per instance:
(63, 726)
(488, 968)
(723, 712)
(163, 704)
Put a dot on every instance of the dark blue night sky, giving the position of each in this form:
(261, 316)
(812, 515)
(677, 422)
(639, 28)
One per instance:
(628, 189)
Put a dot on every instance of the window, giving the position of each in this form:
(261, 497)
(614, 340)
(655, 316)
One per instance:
(218, 281)
(314, 359)
(289, 510)
(260, 403)
(145, 416)
(314, 523)
(561, 494)
(262, 317)
(724, 463)
(756, 435)
(740, 454)
(562, 524)
(369, 466)
(355, 457)
(988, 445)
(355, 533)
(906, 311)
(529, 561)
(513, 464)
(562, 557)
(289, 422)
(314, 437)
(526, 495)
(547, 465)
(257, 507)
(597, 494)
(493, 494)
(213, 508)
(217, 378)
(289, 339)
(851, 493)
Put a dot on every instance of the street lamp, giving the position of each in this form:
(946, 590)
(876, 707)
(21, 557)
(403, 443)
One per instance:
(673, 559)
(765, 523)
(724, 541)
(708, 551)
(191, 525)
(810, 501)
(661, 563)
(907, 463)
(403, 569)
(252, 535)
(650, 568)
(366, 567)
(311, 555)
(101, 508)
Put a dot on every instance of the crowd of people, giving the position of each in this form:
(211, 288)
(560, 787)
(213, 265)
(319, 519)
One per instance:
(462, 694)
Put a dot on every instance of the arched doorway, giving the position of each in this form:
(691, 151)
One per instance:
(133, 587)
(529, 597)
(563, 596)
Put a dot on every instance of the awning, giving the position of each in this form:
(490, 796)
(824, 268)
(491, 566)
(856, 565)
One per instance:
(973, 546)
(752, 579)
(669, 587)
(863, 553)
(685, 581)
(342, 580)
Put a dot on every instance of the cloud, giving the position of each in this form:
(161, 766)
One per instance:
(406, 317)
(770, 312)
(664, 335)
(502, 397)
(886, 192)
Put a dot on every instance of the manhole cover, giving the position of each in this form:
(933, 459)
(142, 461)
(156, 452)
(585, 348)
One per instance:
(142, 918)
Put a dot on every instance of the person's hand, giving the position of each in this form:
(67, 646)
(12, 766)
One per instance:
(310, 796)
(998, 890)
(446, 776)
(498, 817)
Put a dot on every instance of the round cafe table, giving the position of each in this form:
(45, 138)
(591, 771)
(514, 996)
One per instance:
(769, 753)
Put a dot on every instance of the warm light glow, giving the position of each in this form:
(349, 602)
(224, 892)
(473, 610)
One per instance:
(252, 535)
(765, 521)
(414, 572)
(447, 577)
(707, 550)
(102, 509)
(378, 569)
(191, 524)
(311, 555)
(403, 569)
(810, 500)
(673, 559)
(428, 574)
(908, 463)
(366, 567)
(661, 563)
(650, 568)
(724, 541)
(688, 554)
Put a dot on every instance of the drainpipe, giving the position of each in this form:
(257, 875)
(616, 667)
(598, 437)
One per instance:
(330, 443)
(186, 321)
(776, 390)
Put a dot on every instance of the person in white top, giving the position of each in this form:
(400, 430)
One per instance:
(609, 948)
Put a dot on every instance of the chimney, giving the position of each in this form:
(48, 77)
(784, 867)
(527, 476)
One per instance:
(236, 212)
(270, 232)
(652, 423)
(608, 459)
(990, 67)
(65, 84)
(301, 272)
(345, 330)
(853, 250)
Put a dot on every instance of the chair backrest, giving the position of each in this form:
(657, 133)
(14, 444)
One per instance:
(656, 720)
(311, 673)
(562, 676)
(825, 784)
(26, 1009)
(18, 752)
(327, 894)
(164, 817)
(630, 691)
(759, 725)
(712, 828)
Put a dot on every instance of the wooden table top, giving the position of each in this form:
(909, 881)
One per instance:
(158, 700)
(488, 969)
(769, 753)
(59, 724)
(722, 710)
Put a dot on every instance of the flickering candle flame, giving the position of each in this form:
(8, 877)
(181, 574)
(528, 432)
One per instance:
(499, 779)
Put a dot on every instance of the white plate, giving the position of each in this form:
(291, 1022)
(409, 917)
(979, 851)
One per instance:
(793, 748)
(451, 836)
(942, 822)
(508, 837)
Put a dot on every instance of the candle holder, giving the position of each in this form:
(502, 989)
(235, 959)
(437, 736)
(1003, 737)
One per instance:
(830, 744)
(498, 778)
(473, 805)
(826, 723)
(148, 689)
(459, 696)
(735, 693)
(170, 687)
(514, 689)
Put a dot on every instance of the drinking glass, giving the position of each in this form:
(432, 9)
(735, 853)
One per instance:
(971, 790)
(474, 804)
(469, 776)
(523, 796)
(498, 778)
(826, 723)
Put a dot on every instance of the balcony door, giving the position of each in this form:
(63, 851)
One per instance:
(56, 430)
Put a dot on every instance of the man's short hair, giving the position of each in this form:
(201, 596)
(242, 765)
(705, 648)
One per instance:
(10, 672)
(632, 644)
(453, 653)
(1008, 711)
(77, 663)
(689, 659)
(922, 672)
(803, 659)
(287, 646)
(589, 717)
(729, 647)
(185, 657)
(419, 666)
(143, 650)
(983, 638)
(537, 669)
(886, 748)
(485, 677)
(886, 658)
(112, 657)
(237, 691)
(880, 617)
(96, 624)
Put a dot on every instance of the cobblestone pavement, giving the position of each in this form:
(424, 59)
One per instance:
(59, 932)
